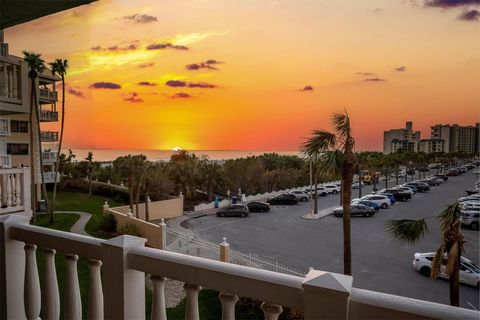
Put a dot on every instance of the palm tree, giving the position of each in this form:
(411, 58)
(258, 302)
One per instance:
(59, 67)
(337, 158)
(411, 231)
(36, 66)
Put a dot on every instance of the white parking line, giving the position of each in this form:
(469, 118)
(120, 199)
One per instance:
(471, 305)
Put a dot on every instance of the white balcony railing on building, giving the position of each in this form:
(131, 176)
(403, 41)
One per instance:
(15, 191)
(48, 116)
(49, 177)
(117, 277)
(49, 136)
(4, 127)
(49, 157)
(10, 80)
(5, 160)
(48, 94)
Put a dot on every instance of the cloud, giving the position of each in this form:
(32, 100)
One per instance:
(74, 92)
(181, 84)
(447, 4)
(469, 15)
(141, 18)
(307, 88)
(132, 97)
(165, 45)
(401, 69)
(147, 84)
(378, 10)
(130, 47)
(181, 95)
(375, 79)
(105, 85)
(209, 64)
(146, 65)
(365, 73)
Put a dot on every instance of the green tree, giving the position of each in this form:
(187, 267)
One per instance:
(411, 231)
(59, 67)
(336, 158)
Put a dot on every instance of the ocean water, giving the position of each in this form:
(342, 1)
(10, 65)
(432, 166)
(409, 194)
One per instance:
(154, 155)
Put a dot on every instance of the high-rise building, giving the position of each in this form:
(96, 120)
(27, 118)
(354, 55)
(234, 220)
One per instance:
(431, 145)
(395, 139)
(458, 138)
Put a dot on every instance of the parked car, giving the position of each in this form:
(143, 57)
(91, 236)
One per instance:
(438, 181)
(321, 191)
(302, 196)
(406, 189)
(431, 182)
(441, 176)
(399, 195)
(470, 218)
(462, 170)
(383, 201)
(332, 188)
(469, 272)
(356, 185)
(355, 210)
(452, 173)
(366, 203)
(388, 194)
(469, 198)
(420, 187)
(233, 210)
(258, 206)
(283, 198)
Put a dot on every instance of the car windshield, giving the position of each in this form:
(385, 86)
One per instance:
(472, 266)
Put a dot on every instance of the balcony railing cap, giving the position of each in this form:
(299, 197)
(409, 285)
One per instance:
(321, 280)
(125, 241)
(13, 219)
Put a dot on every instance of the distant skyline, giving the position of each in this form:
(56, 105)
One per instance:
(258, 75)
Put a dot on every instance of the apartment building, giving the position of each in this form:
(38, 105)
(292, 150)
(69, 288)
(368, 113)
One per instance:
(431, 145)
(458, 138)
(394, 139)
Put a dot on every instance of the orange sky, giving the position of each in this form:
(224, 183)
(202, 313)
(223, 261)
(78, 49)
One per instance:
(260, 54)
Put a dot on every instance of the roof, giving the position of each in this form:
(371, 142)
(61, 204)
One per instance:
(13, 12)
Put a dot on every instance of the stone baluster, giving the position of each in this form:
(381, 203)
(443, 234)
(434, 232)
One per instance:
(228, 305)
(51, 298)
(15, 82)
(73, 303)
(95, 291)
(16, 190)
(159, 311)
(271, 311)
(9, 189)
(191, 312)
(31, 291)
(1, 78)
(10, 82)
(5, 80)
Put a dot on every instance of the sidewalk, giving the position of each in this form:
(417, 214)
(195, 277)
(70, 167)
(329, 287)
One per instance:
(321, 214)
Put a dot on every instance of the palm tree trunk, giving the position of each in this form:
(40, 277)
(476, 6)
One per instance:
(386, 180)
(130, 194)
(89, 184)
(137, 199)
(346, 200)
(44, 187)
(33, 191)
(147, 209)
(315, 194)
(454, 285)
(59, 150)
(360, 184)
(396, 177)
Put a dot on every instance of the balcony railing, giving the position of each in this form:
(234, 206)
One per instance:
(48, 116)
(117, 274)
(49, 157)
(5, 160)
(49, 177)
(4, 127)
(10, 80)
(49, 136)
(15, 191)
(47, 94)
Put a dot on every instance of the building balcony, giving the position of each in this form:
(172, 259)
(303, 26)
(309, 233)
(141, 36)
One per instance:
(5, 160)
(4, 127)
(49, 177)
(118, 270)
(47, 95)
(15, 190)
(48, 116)
(49, 157)
(10, 81)
(49, 136)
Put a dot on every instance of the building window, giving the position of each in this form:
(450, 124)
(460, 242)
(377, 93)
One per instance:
(18, 126)
(17, 148)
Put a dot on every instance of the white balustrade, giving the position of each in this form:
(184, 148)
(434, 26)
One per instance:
(9, 80)
(51, 297)
(95, 292)
(32, 299)
(228, 305)
(159, 311)
(73, 302)
(15, 190)
(5, 127)
(271, 311)
(191, 309)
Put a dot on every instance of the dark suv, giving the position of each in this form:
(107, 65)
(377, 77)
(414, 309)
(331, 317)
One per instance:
(399, 195)
(421, 187)
(283, 198)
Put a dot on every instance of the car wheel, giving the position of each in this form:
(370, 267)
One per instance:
(305, 199)
(404, 199)
(324, 194)
(474, 226)
(384, 206)
(425, 271)
(334, 191)
(243, 215)
(218, 214)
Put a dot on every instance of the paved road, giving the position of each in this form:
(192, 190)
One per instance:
(379, 263)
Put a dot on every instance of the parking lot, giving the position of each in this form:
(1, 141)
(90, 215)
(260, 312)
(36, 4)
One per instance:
(379, 263)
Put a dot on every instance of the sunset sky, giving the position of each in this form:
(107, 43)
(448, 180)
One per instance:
(258, 75)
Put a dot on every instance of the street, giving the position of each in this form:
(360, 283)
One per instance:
(379, 263)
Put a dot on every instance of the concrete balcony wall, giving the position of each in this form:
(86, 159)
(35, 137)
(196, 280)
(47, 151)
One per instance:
(49, 177)
(48, 116)
(5, 127)
(47, 95)
(49, 136)
(49, 157)
(164, 209)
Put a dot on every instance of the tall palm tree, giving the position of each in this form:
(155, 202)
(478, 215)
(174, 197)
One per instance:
(59, 67)
(411, 231)
(36, 66)
(337, 158)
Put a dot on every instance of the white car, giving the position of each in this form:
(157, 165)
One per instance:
(383, 201)
(332, 188)
(405, 189)
(469, 272)
(321, 191)
(356, 185)
(472, 197)
(301, 196)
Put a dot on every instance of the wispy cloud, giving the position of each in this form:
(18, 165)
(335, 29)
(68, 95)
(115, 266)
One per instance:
(365, 73)
(132, 97)
(209, 64)
(181, 84)
(165, 45)
(181, 95)
(105, 85)
(146, 65)
(306, 88)
(130, 47)
(146, 84)
(401, 69)
(469, 15)
(375, 80)
(141, 18)
(447, 4)
(74, 92)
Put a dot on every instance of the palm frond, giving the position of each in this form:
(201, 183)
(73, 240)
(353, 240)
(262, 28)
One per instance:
(449, 216)
(406, 230)
(341, 123)
(453, 258)
(437, 261)
(330, 164)
(320, 141)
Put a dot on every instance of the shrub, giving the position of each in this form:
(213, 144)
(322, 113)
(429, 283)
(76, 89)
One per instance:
(130, 229)
(80, 185)
(109, 223)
